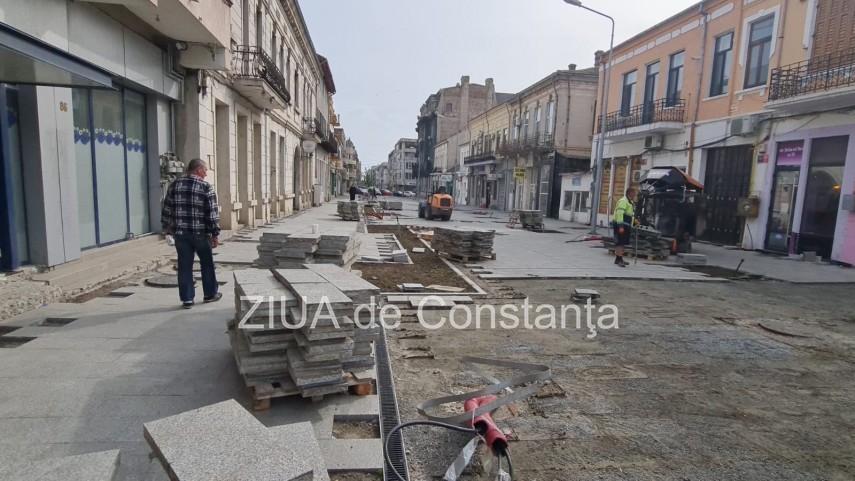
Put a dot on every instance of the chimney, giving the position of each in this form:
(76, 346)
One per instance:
(571, 67)
(491, 93)
(598, 57)
(464, 80)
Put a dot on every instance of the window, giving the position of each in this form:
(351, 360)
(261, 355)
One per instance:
(650, 83)
(721, 64)
(516, 131)
(627, 98)
(759, 51)
(525, 125)
(537, 120)
(259, 28)
(550, 116)
(675, 79)
(296, 87)
(581, 206)
(449, 107)
(273, 45)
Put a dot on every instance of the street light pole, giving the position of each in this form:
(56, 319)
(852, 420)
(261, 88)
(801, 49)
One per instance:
(598, 177)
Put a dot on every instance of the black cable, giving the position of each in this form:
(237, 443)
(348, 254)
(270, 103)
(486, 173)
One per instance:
(510, 464)
(417, 423)
(499, 461)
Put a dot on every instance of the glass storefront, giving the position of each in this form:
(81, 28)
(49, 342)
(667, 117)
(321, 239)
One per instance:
(112, 172)
(822, 195)
(14, 220)
(785, 190)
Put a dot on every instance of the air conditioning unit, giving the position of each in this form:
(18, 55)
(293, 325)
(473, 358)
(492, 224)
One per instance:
(637, 176)
(741, 126)
(653, 142)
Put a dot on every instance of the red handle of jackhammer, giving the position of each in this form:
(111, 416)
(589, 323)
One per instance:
(485, 424)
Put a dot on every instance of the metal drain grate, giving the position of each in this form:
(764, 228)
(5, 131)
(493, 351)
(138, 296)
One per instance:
(389, 415)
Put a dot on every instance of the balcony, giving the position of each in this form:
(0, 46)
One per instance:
(257, 78)
(659, 116)
(479, 159)
(197, 22)
(313, 129)
(329, 143)
(814, 85)
(535, 143)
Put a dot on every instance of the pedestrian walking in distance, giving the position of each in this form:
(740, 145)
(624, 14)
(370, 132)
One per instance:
(353, 191)
(190, 215)
(623, 218)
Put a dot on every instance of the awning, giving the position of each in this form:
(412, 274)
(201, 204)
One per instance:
(27, 60)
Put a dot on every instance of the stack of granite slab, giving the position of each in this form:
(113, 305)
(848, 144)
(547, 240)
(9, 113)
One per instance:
(292, 251)
(349, 210)
(337, 248)
(392, 204)
(461, 242)
(270, 243)
(224, 441)
(531, 219)
(301, 333)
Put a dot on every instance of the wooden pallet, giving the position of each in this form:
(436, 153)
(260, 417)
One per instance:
(465, 259)
(262, 394)
(649, 257)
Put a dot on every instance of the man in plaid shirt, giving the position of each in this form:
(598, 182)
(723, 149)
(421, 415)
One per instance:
(190, 214)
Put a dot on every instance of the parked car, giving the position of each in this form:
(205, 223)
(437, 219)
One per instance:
(409, 193)
(385, 192)
(398, 193)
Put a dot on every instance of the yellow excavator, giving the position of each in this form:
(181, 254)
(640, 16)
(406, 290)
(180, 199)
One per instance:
(439, 204)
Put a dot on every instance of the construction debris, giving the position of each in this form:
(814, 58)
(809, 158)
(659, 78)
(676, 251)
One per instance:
(582, 295)
(465, 243)
(391, 205)
(295, 332)
(649, 243)
(530, 219)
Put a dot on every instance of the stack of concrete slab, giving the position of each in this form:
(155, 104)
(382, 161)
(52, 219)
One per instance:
(392, 204)
(292, 251)
(644, 242)
(224, 441)
(530, 219)
(462, 242)
(692, 259)
(338, 248)
(100, 466)
(270, 243)
(349, 210)
(295, 328)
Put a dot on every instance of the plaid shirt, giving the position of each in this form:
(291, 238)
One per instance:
(190, 208)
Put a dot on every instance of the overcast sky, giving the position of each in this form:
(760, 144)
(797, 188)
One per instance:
(387, 56)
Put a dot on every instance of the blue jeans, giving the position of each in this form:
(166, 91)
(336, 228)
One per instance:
(189, 246)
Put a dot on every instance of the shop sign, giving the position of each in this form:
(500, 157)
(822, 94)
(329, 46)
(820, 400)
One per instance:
(519, 173)
(790, 153)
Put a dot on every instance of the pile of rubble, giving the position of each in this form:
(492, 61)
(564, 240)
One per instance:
(292, 251)
(295, 329)
(349, 209)
(461, 242)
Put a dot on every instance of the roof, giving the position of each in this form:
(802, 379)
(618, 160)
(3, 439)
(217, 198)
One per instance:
(328, 78)
(502, 97)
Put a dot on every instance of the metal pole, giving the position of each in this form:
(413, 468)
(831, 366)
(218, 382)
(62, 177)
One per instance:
(598, 177)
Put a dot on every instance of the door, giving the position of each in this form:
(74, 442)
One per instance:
(781, 209)
(14, 248)
(728, 177)
(822, 195)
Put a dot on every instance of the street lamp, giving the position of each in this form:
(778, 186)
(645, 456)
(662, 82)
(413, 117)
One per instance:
(598, 177)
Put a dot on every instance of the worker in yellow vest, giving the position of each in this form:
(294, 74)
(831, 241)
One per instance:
(623, 218)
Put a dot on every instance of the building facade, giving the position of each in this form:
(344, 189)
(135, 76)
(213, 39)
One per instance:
(402, 165)
(88, 100)
(518, 149)
(442, 116)
(750, 98)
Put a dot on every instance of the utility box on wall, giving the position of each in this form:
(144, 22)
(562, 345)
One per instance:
(748, 207)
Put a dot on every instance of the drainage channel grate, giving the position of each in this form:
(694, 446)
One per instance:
(389, 415)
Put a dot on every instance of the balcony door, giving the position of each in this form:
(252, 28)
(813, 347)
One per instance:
(628, 92)
(651, 83)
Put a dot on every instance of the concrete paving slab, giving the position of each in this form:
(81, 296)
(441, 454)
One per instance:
(298, 276)
(341, 455)
(300, 437)
(213, 443)
(100, 466)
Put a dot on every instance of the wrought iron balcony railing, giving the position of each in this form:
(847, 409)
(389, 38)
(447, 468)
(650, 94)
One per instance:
(534, 142)
(482, 157)
(812, 76)
(252, 62)
(662, 110)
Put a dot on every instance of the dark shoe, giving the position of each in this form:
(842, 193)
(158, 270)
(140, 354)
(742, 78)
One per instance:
(187, 305)
(617, 260)
(623, 263)
(216, 297)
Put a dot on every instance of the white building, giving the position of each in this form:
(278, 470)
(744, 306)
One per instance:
(402, 165)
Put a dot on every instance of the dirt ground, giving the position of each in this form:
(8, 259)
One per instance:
(739, 380)
(427, 268)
